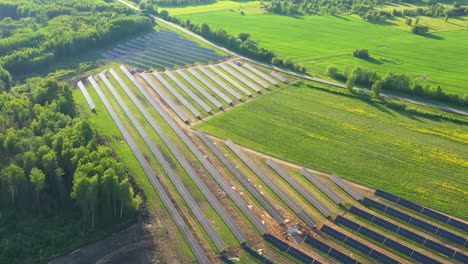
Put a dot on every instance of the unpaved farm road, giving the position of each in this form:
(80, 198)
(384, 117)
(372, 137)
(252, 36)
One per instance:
(445, 108)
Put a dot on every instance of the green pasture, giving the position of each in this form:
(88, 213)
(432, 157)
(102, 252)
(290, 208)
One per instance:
(424, 160)
(319, 41)
(246, 6)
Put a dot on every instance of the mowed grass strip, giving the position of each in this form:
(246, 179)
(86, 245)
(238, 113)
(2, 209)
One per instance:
(319, 41)
(421, 159)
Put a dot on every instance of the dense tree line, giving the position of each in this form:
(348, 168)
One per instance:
(55, 29)
(241, 43)
(364, 8)
(394, 82)
(51, 164)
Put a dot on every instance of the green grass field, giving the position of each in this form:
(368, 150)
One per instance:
(319, 41)
(424, 160)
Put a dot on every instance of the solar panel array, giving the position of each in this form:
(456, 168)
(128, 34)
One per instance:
(229, 80)
(248, 74)
(416, 222)
(200, 156)
(208, 84)
(239, 77)
(322, 186)
(343, 258)
(386, 241)
(423, 210)
(185, 164)
(86, 95)
(346, 187)
(166, 200)
(259, 73)
(189, 92)
(256, 255)
(299, 188)
(220, 83)
(243, 179)
(177, 95)
(410, 235)
(162, 94)
(254, 219)
(165, 164)
(277, 76)
(200, 89)
(292, 251)
(353, 243)
(159, 50)
(226, 259)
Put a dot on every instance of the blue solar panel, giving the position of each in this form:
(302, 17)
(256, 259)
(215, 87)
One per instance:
(374, 204)
(152, 65)
(143, 50)
(332, 232)
(386, 224)
(458, 224)
(178, 37)
(358, 245)
(361, 213)
(451, 236)
(342, 257)
(167, 53)
(290, 250)
(435, 215)
(187, 54)
(133, 54)
(460, 257)
(398, 247)
(256, 255)
(439, 248)
(194, 49)
(317, 244)
(383, 258)
(424, 259)
(416, 207)
(226, 259)
(413, 236)
(341, 220)
(386, 195)
(424, 225)
(372, 234)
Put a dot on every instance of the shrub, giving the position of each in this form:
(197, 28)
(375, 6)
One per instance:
(361, 53)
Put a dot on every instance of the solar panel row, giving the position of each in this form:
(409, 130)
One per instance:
(239, 77)
(358, 245)
(272, 210)
(322, 186)
(220, 83)
(256, 255)
(249, 75)
(163, 52)
(116, 57)
(142, 49)
(423, 210)
(416, 222)
(166, 165)
(277, 76)
(185, 164)
(172, 48)
(131, 55)
(208, 84)
(386, 241)
(261, 74)
(200, 156)
(179, 221)
(231, 81)
(179, 97)
(330, 251)
(164, 97)
(226, 186)
(187, 43)
(189, 92)
(283, 246)
(200, 89)
(408, 234)
(346, 187)
(86, 95)
(300, 188)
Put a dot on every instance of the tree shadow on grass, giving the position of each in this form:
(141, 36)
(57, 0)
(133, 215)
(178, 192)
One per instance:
(373, 60)
(341, 17)
(432, 36)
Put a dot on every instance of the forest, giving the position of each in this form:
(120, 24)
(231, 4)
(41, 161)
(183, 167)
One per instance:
(39, 33)
(53, 165)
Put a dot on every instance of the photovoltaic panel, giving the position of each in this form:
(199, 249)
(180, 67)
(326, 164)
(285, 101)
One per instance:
(346, 187)
(322, 186)
(144, 62)
(189, 92)
(182, 99)
(179, 221)
(343, 258)
(249, 75)
(283, 246)
(86, 95)
(226, 87)
(260, 73)
(200, 89)
(184, 42)
(165, 98)
(228, 79)
(256, 255)
(172, 49)
(277, 76)
(226, 259)
(167, 53)
(239, 77)
(170, 172)
(210, 86)
(192, 50)
(184, 163)
(423, 210)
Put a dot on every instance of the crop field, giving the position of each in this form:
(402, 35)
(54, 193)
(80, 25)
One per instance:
(320, 41)
(421, 159)
(246, 6)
